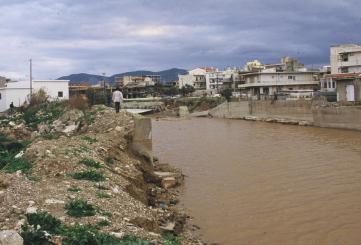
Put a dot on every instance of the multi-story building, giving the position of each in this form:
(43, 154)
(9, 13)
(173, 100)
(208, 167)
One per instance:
(345, 72)
(288, 77)
(346, 59)
(196, 78)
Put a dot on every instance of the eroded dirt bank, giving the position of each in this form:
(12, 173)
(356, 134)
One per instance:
(86, 158)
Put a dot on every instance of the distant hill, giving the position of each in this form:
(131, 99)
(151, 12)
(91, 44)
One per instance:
(166, 76)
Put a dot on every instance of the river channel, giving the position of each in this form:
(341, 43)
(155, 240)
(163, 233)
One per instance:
(263, 183)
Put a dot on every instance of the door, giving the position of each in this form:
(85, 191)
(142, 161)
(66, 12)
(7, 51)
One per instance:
(350, 93)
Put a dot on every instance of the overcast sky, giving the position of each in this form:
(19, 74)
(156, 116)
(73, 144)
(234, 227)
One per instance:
(112, 36)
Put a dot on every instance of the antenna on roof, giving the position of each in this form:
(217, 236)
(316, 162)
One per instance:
(31, 77)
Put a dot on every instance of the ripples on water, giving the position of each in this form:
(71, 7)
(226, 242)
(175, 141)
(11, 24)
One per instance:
(263, 183)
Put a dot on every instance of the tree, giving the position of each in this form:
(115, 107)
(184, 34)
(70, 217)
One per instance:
(187, 89)
(227, 93)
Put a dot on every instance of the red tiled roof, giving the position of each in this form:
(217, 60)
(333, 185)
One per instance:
(344, 75)
(208, 69)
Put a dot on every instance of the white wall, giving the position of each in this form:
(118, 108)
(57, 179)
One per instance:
(354, 58)
(185, 79)
(2, 100)
(16, 95)
(17, 92)
(53, 87)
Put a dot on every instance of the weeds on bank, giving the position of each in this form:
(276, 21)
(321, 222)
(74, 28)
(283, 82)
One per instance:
(90, 163)
(101, 187)
(88, 139)
(50, 136)
(9, 148)
(170, 239)
(80, 208)
(41, 226)
(102, 194)
(17, 164)
(89, 118)
(109, 160)
(90, 175)
(103, 223)
(42, 113)
(74, 189)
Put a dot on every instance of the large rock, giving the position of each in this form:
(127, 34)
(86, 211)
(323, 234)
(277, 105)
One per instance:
(68, 122)
(183, 111)
(10, 237)
(169, 182)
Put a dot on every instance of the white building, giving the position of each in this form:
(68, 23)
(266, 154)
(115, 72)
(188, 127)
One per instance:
(289, 77)
(195, 78)
(18, 92)
(345, 58)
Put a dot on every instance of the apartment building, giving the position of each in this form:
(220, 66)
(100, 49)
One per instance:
(288, 77)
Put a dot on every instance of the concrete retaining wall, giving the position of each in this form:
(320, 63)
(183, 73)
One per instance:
(290, 109)
(348, 117)
(142, 138)
(303, 112)
(231, 110)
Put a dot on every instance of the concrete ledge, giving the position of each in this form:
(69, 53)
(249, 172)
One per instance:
(142, 138)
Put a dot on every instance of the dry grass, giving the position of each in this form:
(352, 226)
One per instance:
(79, 102)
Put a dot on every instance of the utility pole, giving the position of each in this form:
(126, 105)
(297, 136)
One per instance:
(104, 90)
(31, 78)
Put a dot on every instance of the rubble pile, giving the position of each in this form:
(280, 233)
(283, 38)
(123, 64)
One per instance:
(86, 157)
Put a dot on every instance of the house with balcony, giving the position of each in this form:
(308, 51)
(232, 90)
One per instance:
(345, 58)
(287, 78)
(345, 72)
(196, 78)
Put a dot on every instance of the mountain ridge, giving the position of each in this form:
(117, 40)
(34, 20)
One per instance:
(166, 76)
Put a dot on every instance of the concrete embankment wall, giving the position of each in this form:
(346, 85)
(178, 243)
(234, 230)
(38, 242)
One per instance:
(142, 138)
(231, 110)
(347, 117)
(298, 110)
(289, 109)
(303, 112)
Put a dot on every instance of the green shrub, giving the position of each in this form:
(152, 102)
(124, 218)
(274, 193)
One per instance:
(80, 208)
(90, 163)
(16, 164)
(101, 187)
(40, 224)
(103, 223)
(89, 118)
(50, 136)
(45, 221)
(170, 239)
(109, 160)
(43, 113)
(74, 189)
(102, 194)
(90, 175)
(90, 140)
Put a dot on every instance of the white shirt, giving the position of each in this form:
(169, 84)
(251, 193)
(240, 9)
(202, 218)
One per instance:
(117, 96)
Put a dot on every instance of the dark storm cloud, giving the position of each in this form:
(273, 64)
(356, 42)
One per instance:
(113, 36)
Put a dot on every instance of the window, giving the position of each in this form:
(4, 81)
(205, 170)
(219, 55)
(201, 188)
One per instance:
(344, 69)
(344, 57)
(329, 84)
(292, 77)
(334, 84)
(0, 96)
(60, 94)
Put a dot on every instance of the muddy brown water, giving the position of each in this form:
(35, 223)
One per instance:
(263, 183)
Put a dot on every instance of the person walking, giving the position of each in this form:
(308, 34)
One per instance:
(117, 98)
